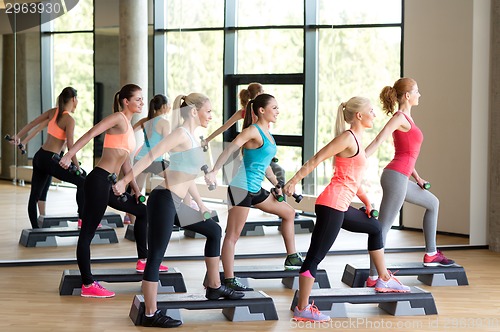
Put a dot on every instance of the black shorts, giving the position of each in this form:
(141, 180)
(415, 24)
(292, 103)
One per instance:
(240, 197)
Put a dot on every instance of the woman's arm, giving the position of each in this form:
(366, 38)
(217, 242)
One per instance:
(41, 126)
(38, 120)
(231, 121)
(397, 122)
(138, 124)
(70, 138)
(195, 194)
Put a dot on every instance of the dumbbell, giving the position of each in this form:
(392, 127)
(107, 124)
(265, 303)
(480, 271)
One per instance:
(427, 185)
(204, 147)
(274, 160)
(113, 179)
(207, 215)
(72, 168)
(373, 212)
(142, 198)
(20, 145)
(211, 186)
(297, 197)
(279, 198)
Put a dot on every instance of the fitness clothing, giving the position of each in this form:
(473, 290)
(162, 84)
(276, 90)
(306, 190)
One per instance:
(53, 129)
(252, 171)
(407, 148)
(187, 161)
(150, 140)
(328, 224)
(43, 168)
(125, 141)
(163, 208)
(241, 197)
(345, 181)
(99, 195)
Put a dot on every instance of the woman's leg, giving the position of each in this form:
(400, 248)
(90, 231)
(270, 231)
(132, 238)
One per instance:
(38, 181)
(236, 218)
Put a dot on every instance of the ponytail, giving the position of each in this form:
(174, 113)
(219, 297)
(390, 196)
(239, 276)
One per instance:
(248, 119)
(184, 104)
(64, 97)
(155, 104)
(253, 106)
(346, 112)
(390, 95)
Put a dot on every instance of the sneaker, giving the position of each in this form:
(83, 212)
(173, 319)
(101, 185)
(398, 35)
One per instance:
(392, 285)
(235, 284)
(126, 220)
(160, 320)
(309, 314)
(293, 261)
(223, 291)
(96, 290)
(370, 282)
(140, 266)
(437, 260)
(80, 224)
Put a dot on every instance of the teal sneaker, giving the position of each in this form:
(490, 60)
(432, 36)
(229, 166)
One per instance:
(235, 284)
(293, 261)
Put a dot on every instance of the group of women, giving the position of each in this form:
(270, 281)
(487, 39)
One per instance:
(256, 147)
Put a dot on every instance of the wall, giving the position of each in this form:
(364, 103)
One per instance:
(451, 69)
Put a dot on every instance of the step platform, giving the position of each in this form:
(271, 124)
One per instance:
(289, 278)
(48, 237)
(129, 233)
(255, 227)
(255, 306)
(110, 219)
(170, 282)
(431, 276)
(332, 301)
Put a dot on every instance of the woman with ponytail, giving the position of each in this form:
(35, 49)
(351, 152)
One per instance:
(333, 210)
(154, 127)
(119, 142)
(165, 207)
(395, 180)
(60, 131)
(258, 148)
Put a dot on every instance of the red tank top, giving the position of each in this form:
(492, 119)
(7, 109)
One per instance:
(407, 148)
(345, 181)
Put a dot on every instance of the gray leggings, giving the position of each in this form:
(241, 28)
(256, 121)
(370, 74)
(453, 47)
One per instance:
(397, 189)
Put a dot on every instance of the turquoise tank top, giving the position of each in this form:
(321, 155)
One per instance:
(188, 161)
(255, 162)
(152, 141)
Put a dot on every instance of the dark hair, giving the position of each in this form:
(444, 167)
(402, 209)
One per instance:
(126, 92)
(253, 107)
(250, 93)
(64, 97)
(155, 104)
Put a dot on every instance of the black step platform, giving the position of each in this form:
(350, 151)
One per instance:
(431, 276)
(110, 219)
(171, 281)
(255, 227)
(47, 237)
(333, 301)
(129, 233)
(253, 307)
(289, 278)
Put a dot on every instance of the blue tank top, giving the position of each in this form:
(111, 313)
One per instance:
(255, 162)
(152, 141)
(188, 161)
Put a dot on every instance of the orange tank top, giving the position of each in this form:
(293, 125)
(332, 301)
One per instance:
(125, 141)
(345, 181)
(53, 129)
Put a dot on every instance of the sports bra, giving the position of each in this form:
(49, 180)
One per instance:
(125, 141)
(188, 161)
(53, 129)
(150, 141)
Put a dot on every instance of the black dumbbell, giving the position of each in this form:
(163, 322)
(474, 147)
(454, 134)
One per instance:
(373, 212)
(297, 197)
(279, 198)
(274, 160)
(113, 179)
(427, 185)
(72, 168)
(211, 186)
(20, 145)
(204, 147)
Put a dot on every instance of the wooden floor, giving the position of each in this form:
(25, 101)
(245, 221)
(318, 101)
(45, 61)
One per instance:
(31, 302)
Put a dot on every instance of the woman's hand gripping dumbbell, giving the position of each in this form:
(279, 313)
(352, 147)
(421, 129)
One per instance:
(297, 197)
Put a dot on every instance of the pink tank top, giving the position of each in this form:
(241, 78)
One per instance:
(407, 148)
(345, 181)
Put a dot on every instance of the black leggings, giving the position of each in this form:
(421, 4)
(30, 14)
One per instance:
(328, 224)
(43, 168)
(98, 195)
(163, 206)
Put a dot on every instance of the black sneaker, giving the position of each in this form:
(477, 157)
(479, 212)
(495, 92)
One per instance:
(160, 320)
(223, 291)
(235, 284)
(293, 261)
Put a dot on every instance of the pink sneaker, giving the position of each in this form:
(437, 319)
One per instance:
(370, 282)
(96, 290)
(139, 267)
(80, 224)
(438, 260)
